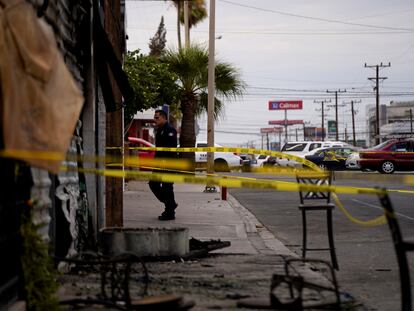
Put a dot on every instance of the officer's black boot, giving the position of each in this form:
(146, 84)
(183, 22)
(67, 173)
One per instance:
(168, 214)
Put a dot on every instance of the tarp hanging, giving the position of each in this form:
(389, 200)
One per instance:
(40, 100)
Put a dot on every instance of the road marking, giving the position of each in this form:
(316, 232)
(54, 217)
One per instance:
(379, 207)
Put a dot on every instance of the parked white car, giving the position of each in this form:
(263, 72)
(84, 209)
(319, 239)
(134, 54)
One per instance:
(223, 161)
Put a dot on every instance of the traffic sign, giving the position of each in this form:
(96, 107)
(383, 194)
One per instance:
(285, 105)
(331, 127)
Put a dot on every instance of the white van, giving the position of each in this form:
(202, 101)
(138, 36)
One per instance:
(300, 148)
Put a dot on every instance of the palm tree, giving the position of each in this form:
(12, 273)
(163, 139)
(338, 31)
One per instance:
(190, 65)
(197, 13)
(178, 6)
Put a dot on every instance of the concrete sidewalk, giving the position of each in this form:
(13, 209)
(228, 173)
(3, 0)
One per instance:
(206, 216)
(217, 281)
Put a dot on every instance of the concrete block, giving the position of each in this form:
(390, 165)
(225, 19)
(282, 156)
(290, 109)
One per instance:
(145, 241)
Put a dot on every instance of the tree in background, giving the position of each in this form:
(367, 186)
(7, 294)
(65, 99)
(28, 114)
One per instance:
(157, 48)
(153, 83)
(157, 43)
(190, 66)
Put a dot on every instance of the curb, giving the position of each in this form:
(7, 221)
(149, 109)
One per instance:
(261, 238)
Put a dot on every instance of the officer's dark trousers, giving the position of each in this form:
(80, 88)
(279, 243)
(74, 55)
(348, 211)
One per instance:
(164, 191)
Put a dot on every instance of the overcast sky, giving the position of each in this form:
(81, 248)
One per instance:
(296, 50)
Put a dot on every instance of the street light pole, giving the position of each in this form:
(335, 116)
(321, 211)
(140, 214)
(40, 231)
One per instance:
(211, 87)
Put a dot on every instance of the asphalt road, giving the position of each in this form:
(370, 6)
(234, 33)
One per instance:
(367, 260)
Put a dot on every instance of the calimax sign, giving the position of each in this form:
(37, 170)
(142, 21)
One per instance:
(286, 104)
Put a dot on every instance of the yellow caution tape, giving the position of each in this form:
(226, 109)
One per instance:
(178, 164)
(233, 150)
(228, 181)
(224, 181)
(380, 220)
(401, 191)
(241, 182)
(35, 154)
(110, 161)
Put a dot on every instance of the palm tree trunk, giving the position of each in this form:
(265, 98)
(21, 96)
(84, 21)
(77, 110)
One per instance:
(178, 24)
(187, 133)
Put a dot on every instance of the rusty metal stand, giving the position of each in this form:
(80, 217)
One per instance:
(290, 291)
(115, 274)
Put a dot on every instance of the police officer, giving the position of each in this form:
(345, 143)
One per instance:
(166, 136)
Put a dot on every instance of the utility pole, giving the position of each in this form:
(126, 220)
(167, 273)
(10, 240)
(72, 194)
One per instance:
(353, 123)
(411, 121)
(322, 102)
(353, 113)
(336, 110)
(297, 138)
(377, 103)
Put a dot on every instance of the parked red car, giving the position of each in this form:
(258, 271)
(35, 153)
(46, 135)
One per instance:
(389, 156)
(139, 142)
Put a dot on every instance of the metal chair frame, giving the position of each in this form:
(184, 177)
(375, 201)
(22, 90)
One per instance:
(321, 200)
(401, 249)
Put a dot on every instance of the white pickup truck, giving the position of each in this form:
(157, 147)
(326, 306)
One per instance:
(223, 161)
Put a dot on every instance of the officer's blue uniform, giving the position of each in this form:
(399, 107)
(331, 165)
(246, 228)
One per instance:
(166, 136)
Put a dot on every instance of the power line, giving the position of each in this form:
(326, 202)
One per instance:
(231, 132)
(315, 18)
(294, 33)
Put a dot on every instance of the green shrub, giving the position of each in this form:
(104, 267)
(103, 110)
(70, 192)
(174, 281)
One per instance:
(40, 275)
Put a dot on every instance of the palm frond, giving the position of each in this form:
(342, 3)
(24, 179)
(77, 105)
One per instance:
(189, 64)
(228, 81)
(203, 106)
